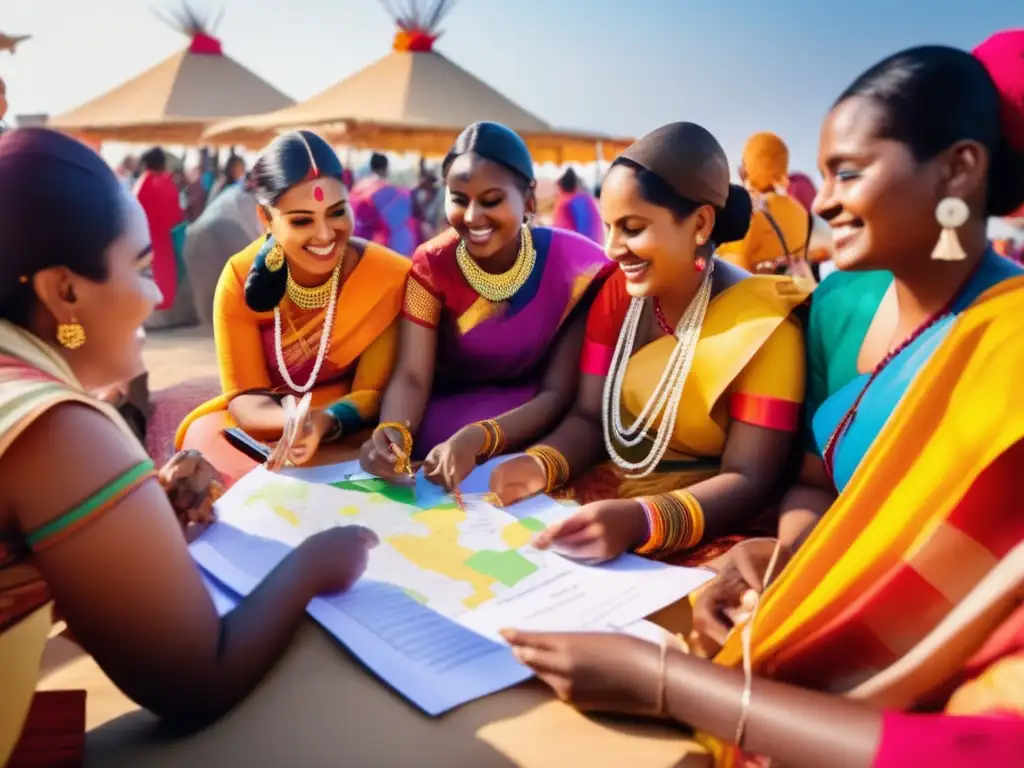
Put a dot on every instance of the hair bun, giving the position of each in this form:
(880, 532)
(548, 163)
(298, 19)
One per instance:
(1002, 55)
(264, 289)
(733, 221)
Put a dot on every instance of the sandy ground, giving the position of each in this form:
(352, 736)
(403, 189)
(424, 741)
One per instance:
(176, 355)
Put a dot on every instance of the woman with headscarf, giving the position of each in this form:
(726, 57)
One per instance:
(907, 520)
(161, 201)
(692, 369)
(779, 226)
(493, 321)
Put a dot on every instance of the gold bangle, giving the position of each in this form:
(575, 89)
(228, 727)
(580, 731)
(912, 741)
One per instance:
(556, 467)
(494, 439)
(404, 464)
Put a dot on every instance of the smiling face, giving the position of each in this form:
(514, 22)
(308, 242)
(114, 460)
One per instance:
(111, 311)
(651, 245)
(485, 204)
(312, 222)
(878, 199)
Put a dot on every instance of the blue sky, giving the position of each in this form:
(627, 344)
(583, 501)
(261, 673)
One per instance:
(734, 66)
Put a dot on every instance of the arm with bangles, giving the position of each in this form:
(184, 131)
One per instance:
(126, 584)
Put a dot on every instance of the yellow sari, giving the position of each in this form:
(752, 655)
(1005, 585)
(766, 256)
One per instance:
(927, 514)
(748, 366)
(357, 366)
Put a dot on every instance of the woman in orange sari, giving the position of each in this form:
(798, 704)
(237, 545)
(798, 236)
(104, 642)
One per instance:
(907, 521)
(306, 309)
(703, 359)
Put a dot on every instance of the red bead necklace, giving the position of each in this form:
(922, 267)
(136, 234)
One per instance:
(662, 322)
(828, 455)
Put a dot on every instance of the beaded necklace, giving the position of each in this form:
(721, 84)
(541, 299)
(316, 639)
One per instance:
(501, 287)
(828, 455)
(325, 333)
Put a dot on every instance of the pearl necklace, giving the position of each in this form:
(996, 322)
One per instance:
(497, 288)
(325, 337)
(664, 401)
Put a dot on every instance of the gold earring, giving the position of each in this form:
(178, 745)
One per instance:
(700, 239)
(70, 335)
(275, 259)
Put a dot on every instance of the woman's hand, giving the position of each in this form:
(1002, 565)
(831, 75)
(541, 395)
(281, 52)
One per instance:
(449, 463)
(335, 559)
(518, 479)
(599, 531)
(382, 456)
(192, 486)
(728, 599)
(594, 671)
(304, 444)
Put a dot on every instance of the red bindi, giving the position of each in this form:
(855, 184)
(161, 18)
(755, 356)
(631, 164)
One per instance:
(318, 194)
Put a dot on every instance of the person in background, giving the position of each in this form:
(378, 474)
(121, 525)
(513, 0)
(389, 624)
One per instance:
(224, 228)
(86, 522)
(493, 320)
(384, 211)
(234, 173)
(194, 192)
(820, 247)
(779, 226)
(428, 203)
(575, 210)
(160, 199)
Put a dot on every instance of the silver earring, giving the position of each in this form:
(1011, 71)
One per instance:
(951, 213)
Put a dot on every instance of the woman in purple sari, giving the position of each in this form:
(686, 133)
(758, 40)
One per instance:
(493, 321)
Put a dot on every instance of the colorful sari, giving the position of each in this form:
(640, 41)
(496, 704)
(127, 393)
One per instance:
(748, 366)
(577, 212)
(158, 195)
(384, 214)
(779, 228)
(356, 367)
(491, 357)
(927, 475)
(33, 379)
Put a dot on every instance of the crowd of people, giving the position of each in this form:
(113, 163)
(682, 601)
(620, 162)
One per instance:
(843, 455)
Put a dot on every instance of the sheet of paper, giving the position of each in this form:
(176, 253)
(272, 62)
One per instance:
(348, 471)
(443, 581)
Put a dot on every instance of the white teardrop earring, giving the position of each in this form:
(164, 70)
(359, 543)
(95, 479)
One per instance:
(951, 213)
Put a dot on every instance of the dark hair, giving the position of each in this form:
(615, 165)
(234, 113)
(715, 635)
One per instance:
(282, 165)
(731, 222)
(569, 181)
(934, 96)
(499, 144)
(154, 160)
(378, 163)
(43, 171)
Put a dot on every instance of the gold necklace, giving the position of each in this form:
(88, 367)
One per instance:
(504, 286)
(317, 297)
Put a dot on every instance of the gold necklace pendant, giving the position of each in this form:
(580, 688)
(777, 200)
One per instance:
(317, 297)
(504, 286)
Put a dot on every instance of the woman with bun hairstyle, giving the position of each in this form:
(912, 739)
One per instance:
(308, 308)
(692, 369)
(903, 601)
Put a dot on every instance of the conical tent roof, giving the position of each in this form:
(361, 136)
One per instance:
(176, 100)
(413, 99)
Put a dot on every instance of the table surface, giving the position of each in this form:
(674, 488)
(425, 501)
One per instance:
(320, 707)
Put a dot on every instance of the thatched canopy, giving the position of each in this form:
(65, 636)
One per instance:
(176, 100)
(414, 99)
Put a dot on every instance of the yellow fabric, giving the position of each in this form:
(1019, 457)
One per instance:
(914, 474)
(766, 161)
(22, 401)
(367, 312)
(999, 689)
(761, 242)
(749, 344)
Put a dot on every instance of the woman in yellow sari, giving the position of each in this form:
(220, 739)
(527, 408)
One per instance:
(85, 521)
(702, 359)
(907, 521)
(306, 309)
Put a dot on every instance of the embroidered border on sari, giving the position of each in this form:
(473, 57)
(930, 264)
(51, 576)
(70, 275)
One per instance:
(421, 306)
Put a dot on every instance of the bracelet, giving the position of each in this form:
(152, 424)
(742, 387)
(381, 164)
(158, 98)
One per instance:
(675, 522)
(336, 430)
(556, 467)
(405, 464)
(494, 440)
